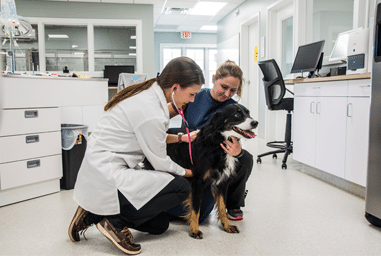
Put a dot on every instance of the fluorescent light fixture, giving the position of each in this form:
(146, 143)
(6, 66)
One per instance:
(206, 27)
(133, 37)
(74, 46)
(79, 53)
(132, 47)
(58, 36)
(207, 8)
(132, 54)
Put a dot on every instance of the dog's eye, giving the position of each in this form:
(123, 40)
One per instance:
(237, 115)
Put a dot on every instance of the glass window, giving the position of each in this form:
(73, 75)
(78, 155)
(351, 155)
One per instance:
(287, 34)
(329, 19)
(206, 58)
(26, 52)
(197, 55)
(114, 46)
(212, 67)
(66, 46)
(169, 54)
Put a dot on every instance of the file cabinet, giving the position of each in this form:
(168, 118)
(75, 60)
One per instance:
(30, 139)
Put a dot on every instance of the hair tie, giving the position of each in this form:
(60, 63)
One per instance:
(158, 75)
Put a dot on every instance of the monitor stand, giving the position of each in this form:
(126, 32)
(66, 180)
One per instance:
(300, 76)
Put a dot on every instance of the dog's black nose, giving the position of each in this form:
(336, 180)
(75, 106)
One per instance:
(254, 124)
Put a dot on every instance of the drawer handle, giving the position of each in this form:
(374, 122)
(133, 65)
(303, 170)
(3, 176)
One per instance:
(31, 113)
(368, 85)
(32, 139)
(33, 163)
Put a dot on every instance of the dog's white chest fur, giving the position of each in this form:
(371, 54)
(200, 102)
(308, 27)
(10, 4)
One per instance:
(228, 170)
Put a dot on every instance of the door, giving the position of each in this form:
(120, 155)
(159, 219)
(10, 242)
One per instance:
(357, 139)
(330, 134)
(304, 130)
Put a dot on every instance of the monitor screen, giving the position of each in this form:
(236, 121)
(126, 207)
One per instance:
(112, 73)
(307, 57)
(339, 51)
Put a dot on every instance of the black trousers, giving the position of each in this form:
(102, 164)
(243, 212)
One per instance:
(151, 217)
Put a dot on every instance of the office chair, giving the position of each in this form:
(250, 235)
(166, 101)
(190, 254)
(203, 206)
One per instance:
(274, 94)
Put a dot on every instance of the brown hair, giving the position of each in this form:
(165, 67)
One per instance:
(183, 71)
(229, 68)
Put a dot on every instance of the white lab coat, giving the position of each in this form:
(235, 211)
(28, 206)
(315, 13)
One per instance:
(133, 129)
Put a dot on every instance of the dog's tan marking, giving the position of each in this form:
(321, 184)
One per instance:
(221, 209)
(193, 219)
(207, 175)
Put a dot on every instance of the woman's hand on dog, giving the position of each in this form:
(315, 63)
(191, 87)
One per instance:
(188, 173)
(233, 147)
(193, 136)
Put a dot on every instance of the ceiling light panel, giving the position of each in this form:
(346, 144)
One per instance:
(207, 8)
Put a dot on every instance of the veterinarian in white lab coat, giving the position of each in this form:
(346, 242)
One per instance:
(111, 190)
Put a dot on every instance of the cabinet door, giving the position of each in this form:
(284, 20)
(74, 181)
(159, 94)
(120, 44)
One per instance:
(357, 140)
(304, 130)
(330, 134)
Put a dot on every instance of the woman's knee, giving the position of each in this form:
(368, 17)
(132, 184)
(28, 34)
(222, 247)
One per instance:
(183, 187)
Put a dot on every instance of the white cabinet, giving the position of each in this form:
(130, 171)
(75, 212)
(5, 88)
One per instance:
(328, 120)
(357, 131)
(30, 140)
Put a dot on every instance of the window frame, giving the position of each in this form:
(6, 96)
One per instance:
(183, 48)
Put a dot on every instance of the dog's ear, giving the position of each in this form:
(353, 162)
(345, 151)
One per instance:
(216, 122)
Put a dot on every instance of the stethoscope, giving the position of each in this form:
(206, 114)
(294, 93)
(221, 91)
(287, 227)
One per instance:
(180, 111)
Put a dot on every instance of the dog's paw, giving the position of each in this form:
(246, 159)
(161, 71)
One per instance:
(196, 234)
(232, 229)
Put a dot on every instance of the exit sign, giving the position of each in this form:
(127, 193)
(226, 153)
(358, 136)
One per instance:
(186, 35)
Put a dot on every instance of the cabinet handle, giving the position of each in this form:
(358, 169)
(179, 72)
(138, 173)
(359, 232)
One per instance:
(368, 85)
(349, 110)
(318, 108)
(33, 163)
(312, 107)
(31, 113)
(316, 88)
(32, 139)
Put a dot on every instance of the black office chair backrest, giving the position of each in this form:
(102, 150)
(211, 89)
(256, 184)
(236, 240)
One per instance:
(273, 82)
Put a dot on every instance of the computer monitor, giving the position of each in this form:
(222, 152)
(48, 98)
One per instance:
(112, 72)
(307, 57)
(339, 51)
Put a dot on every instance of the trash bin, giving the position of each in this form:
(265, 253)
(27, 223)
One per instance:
(74, 141)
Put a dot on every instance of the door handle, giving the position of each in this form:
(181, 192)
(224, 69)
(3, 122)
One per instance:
(349, 110)
(312, 107)
(318, 108)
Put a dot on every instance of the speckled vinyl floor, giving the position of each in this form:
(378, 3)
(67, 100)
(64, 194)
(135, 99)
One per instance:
(287, 213)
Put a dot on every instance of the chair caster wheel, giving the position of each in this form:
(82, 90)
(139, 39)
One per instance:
(259, 161)
(284, 166)
(275, 156)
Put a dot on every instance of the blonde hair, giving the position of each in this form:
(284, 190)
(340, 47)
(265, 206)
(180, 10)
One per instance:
(230, 68)
(183, 71)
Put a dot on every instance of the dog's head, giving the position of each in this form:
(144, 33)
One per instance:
(234, 120)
